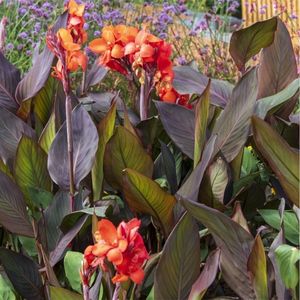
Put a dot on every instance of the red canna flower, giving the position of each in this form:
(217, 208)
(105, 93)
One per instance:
(123, 246)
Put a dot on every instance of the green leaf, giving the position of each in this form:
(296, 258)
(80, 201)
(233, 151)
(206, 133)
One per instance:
(6, 289)
(290, 222)
(72, 266)
(207, 276)
(247, 42)
(23, 274)
(105, 132)
(286, 258)
(125, 151)
(146, 196)
(85, 143)
(13, 213)
(235, 244)
(48, 134)
(40, 197)
(264, 105)
(31, 168)
(233, 125)
(29, 245)
(282, 159)
(57, 293)
(201, 121)
(179, 264)
(257, 266)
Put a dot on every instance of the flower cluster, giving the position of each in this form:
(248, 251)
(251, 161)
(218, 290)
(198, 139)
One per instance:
(66, 44)
(129, 50)
(122, 246)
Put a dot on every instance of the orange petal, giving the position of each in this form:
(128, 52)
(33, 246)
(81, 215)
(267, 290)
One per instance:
(123, 245)
(120, 278)
(129, 48)
(115, 256)
(137, 276)
(169, 96)
(98, 45)
(101, 249)
(108, 34)
(153, 39)
(67, 40)
(141, 37)
(108, 232)
(117, 51)
(146, 51)
(88, 250)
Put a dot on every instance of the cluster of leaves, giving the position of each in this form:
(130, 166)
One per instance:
(202, 181)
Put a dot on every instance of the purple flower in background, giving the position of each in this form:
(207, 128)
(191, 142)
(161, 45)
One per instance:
(22, 11)
(262, 9)
(28, 52)
(181, 60)
(97, 33)
(23, 35)
(9, 46)
(293, 16)
(20, 47)
(201, 25)
(86, 26)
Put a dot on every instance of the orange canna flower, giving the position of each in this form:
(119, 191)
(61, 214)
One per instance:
(66, 40)
(75, 9)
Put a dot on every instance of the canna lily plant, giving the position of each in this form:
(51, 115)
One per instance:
(188, 189)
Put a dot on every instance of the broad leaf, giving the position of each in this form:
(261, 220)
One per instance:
(189, 81)
(57, 293)
(95, 75)
(201, 121)
(286, 258)
(85, 143)
(11, 130)
(13, 214)
(290, 223)
(278, 66)
(146, 196)
(247, 42)
(125, 151)
(48, 134)
(274, 148)
(23, 274)
(232, 127)
(105, 131)
(234, 242)
(31, 168)
(257, 266)
(9, 78)
(179, 264)
(179, 123)
(72, 267)
(264, 105)
(6, 288)
(37, 76)
(206, 277)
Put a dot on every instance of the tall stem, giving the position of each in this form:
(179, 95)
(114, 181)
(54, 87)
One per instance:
(86, 292)
(70, 148)
(143, 104)
(116, 292)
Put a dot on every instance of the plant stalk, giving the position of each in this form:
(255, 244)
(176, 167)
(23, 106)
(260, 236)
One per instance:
(143, 104)
(86, 292)
(116, 292)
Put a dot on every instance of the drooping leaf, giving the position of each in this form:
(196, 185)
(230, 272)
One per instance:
(37, 76)
(85, 143)
(31, 168)
(238, 216)
(57, 293)
(23, 274)
(207, 276)
(234, 242)
(11, 130)
(201, 121)
(282, 159)
(290, 222)
(13, 214)
(286, 258)
(105, 131)
(264, 105)
(232, 127)
(125, 151)
(5, 169)
(57, 254)
(72, 267)
(179, 123)
(189, 81)
(9, 79)
(214, 184)
(257, 266)
(247, 42)
(48, 134)
(146, 196)
(95, 75)
(278, 67)
(179, 264)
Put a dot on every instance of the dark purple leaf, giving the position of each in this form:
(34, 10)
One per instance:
(95, 75)
(9, 79)
(233, 125)
(13, 214)
(189, 81)
(278, 67)
(37, 76)
(179, 264)
(23, 274)
(85, 143)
